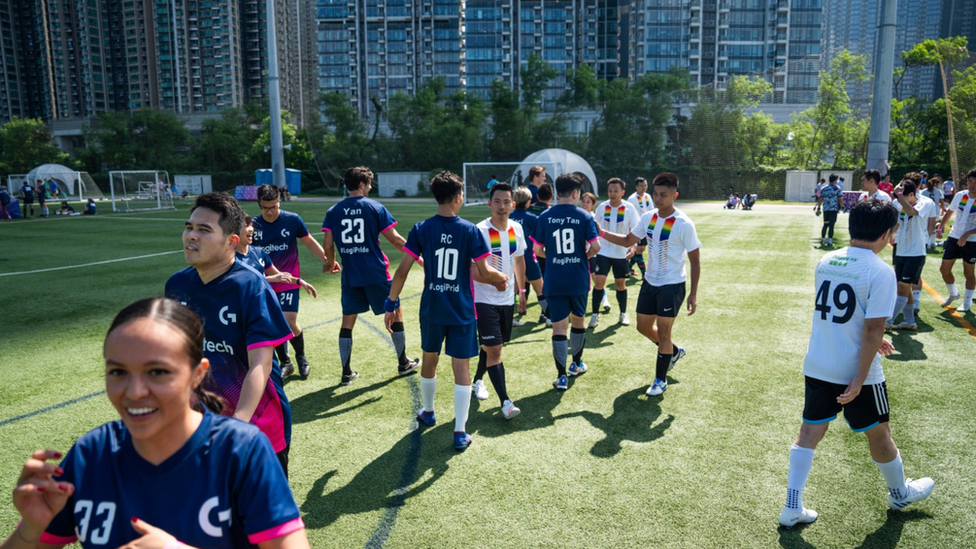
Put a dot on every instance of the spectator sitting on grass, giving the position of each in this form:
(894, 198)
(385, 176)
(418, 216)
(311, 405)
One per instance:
(91, 208)
(66, 209)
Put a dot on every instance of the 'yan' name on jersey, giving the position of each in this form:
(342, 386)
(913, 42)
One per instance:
(448, 246)
(239, 313)
(356, 224)
(224, 489)
(280, 240)
(565, 231)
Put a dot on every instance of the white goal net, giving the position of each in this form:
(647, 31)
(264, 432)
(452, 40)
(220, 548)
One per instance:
(140, 190)
(478, 175)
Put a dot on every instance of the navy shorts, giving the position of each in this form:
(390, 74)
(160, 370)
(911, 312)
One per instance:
(289, 300)
(532, 269)
(462, 341)
(560, 306)
(360, 299)
(866, 411)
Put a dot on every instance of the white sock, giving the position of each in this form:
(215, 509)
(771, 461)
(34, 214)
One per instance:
(462, 403)
(968, 299)
(801, 461)
(894, 475)
(606, 302)
(427, 389)
(917, 296)
(952, 289)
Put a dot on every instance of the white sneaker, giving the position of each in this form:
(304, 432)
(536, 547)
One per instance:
(605, 305)
(657, 388)
(952, 297)
(509, 410)
(964, 308)
(624, 319)
(479, 390)
(789, 518)
(915, 490)
(594, 320)
(517, 323)
(907, 326)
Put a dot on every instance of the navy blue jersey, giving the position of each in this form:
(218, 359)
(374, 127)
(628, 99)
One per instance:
(27, 191)
(91, 208)
(280, 240)
(564, 231)
(223, 489)
(448, 246)
(528, 221)
(356, 224)
(256, 258)
(239, 313)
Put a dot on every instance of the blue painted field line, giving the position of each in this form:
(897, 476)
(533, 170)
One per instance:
(409, 471)
(50, 408)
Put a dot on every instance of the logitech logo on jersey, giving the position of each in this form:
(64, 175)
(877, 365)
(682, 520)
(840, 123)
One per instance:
(285, 233)
(208, 527)
(218, 347)
(227, 318)
(276, 248)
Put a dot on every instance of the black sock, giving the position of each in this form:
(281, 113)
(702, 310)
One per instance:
(622, 300)
(830, 231)
(578, 342)
(641, 265)
(345, 350)
(663, 362)
(399, 343)
(559, 350)
(497, 375)
(482, 365)
(299, 343)
(282, 353)
(598, 300)
(823, 232)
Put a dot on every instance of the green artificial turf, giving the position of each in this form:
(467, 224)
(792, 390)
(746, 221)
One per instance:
(600, 465)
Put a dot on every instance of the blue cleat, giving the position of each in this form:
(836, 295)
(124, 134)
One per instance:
(657, 388)
(426, 418)
(679, 353)
(461, 441)
(577, 369)
(561, 383)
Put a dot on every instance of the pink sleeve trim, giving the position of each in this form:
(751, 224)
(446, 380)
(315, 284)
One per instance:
(274, 343)
(51, 539)
(388, 228)
(326, 230)
(482, 256)
(594, 238)
(534, 241)
(277, 531)
(409, 251)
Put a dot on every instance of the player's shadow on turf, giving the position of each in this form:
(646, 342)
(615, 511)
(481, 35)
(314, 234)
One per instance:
(632, 420)
(888, 535)
(907, 347)
(325, 403)
(536, 413)
(385, 482)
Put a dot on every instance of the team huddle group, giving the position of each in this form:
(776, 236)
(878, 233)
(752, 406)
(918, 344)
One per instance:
(217, 345)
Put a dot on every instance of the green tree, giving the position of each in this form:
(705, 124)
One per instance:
(26, 143)
(224, 143)
(341, 140)
(298, 154)
(963, 98)
(918, 132)
(144, 140)
(517, 127)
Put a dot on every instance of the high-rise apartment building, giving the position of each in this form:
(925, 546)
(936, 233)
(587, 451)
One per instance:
(13, 75)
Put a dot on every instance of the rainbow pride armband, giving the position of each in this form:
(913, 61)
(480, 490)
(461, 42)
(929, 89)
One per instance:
(391, 306)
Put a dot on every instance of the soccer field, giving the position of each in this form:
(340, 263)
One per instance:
(600, 465)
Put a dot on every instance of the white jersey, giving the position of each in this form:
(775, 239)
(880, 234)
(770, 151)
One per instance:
(642, 202)
(965, 207)
(668, 240)
(853, 284)
(616, 219)
(504, 246)
(879, 194)
(913, 231)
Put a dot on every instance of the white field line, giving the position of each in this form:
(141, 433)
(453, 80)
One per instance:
(90, 264)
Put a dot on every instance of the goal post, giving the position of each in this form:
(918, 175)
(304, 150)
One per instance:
(477, 176)
(140, 190)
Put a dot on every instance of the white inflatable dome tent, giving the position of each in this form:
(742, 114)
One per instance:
(558, 162)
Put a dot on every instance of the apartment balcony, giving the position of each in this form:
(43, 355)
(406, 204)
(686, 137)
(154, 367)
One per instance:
(782, 22)
(696, 21)
(696, 5)
(783, 5)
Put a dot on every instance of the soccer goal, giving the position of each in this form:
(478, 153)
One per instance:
(477, 176)
(134, 191)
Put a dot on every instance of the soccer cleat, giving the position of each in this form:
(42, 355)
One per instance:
(287, 368)
(561, 383)
(952, 297)
(915, 490)
(889, 326)
(606, 308)
(426, 418)
(964, 308)
(509, 410)
(461, 441)
(479, 390)
(788, 518)
(303, 366)
(624, 319)
(823, 241)
(577, 369)
(907, 326)
(657, 388)
(594, 320)
(517, 323)
(348, 378)
(409, 367)
(679, 352)
(543, 319)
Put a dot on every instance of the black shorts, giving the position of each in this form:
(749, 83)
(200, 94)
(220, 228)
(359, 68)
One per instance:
(954, 251)
(29, 201)
(592, 262)
(642, 242)
(908, 270)
(494, 323)
(830, 217)
(605, 264)
(661, 300)
(866, 411)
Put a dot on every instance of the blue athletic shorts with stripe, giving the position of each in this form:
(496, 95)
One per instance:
(289, 300)
(868, 409)
(462, 341)
(360, 299)
(560, 306)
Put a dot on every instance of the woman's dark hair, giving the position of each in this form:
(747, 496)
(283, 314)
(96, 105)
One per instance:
(188, 324)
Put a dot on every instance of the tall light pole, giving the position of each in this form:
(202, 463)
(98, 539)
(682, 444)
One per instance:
(884, 68)
(274, 99)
